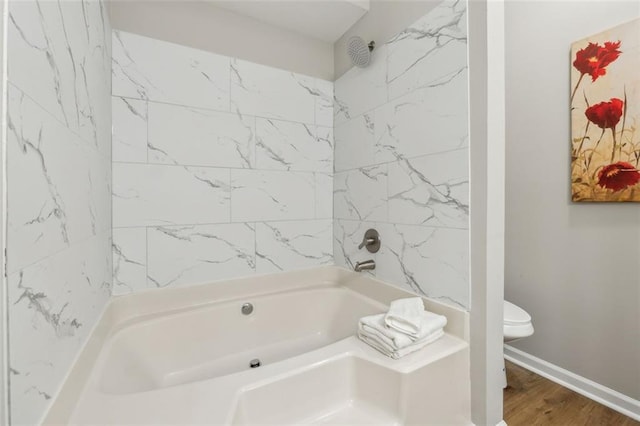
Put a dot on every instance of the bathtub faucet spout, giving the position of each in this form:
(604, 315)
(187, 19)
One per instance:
(365, 265)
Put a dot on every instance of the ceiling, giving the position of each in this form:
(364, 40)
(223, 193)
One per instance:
(325, 20)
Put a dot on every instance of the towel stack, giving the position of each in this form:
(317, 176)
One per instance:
(405, 328)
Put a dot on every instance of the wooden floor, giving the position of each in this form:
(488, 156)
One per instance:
(532, 400)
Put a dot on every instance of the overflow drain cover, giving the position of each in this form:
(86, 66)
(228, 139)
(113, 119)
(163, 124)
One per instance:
(254, 363)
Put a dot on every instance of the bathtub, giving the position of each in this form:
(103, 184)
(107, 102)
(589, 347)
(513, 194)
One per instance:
(184, 356)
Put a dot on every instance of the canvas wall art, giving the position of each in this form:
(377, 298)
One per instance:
(605, 114)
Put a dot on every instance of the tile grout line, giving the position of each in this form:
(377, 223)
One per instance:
(135, 163)
(86, 145)
(425, 86)
(398, 160)
(223, 112)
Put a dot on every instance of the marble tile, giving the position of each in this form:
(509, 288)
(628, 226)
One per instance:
(431, 190)
(52, 306)
(347, 236)
(129, 130)
(324, 195)
(426, 121)
(324, 103)
(284, 246)
(430, 52)
(191, 77)
(355, 145)
(258, 195)
(58, 186)
(272, 93)
(148, 195)
(428, 261)
(197, 137)
(361, 89)
(285, 145)
(98, 186)
(198, 254)
(129, 260)
(64, 64)
(50, 184)
(361, 194)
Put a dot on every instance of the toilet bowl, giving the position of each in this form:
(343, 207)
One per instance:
(517, 322)
(516, 325)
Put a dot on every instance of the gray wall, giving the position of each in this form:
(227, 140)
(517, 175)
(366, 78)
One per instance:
(573, 267)
(384, 19)
(204, 26)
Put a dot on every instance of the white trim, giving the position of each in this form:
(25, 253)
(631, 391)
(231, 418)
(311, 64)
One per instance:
(592, 390)
(487, 179)
(502, 423)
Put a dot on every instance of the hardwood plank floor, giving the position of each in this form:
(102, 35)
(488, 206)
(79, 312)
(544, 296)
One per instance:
(532, 400)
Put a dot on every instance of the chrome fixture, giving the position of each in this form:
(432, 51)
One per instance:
(359, 51)
(254, 363)
(247, 308)
(371, 241)
(366, 265)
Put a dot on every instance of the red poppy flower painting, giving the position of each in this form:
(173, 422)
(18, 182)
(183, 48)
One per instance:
(605, 114)
(618, 176)
(593, 59)
(605, 109)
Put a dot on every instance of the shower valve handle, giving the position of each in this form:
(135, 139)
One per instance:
(371, 241)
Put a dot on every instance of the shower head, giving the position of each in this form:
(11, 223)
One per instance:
(359, 51)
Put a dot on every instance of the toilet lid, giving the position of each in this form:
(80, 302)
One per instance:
(515, 315)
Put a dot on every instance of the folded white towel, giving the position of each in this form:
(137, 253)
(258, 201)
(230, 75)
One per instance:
(405, 315)
(374, 325)
(381, 346)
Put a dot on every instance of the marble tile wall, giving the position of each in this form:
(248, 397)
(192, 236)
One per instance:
(58, 192)
(221, 167)
(401, 158)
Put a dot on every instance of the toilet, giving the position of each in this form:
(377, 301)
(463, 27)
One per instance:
(517, 322)
(516, 325)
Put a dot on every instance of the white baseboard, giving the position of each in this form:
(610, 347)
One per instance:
(502, 423)
(592, 390)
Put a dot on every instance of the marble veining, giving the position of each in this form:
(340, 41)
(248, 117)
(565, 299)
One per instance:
(216, 176)
(361, 89)
(129, 259)
(347, 235)
(431, 190)
(130, 121)
(160, 195)
(63, 64)
(361, 194)
(192, 77)
(206, 138)
(283, 246)
(271, 195)
(429, 261)
(199, 253)
(432, 51)
(425, 121)
(272, 93)
(53, 305)
(283, 145)
(402, 159)
(59, 271)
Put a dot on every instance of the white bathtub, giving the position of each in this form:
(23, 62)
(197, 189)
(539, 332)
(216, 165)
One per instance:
(181, 356)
